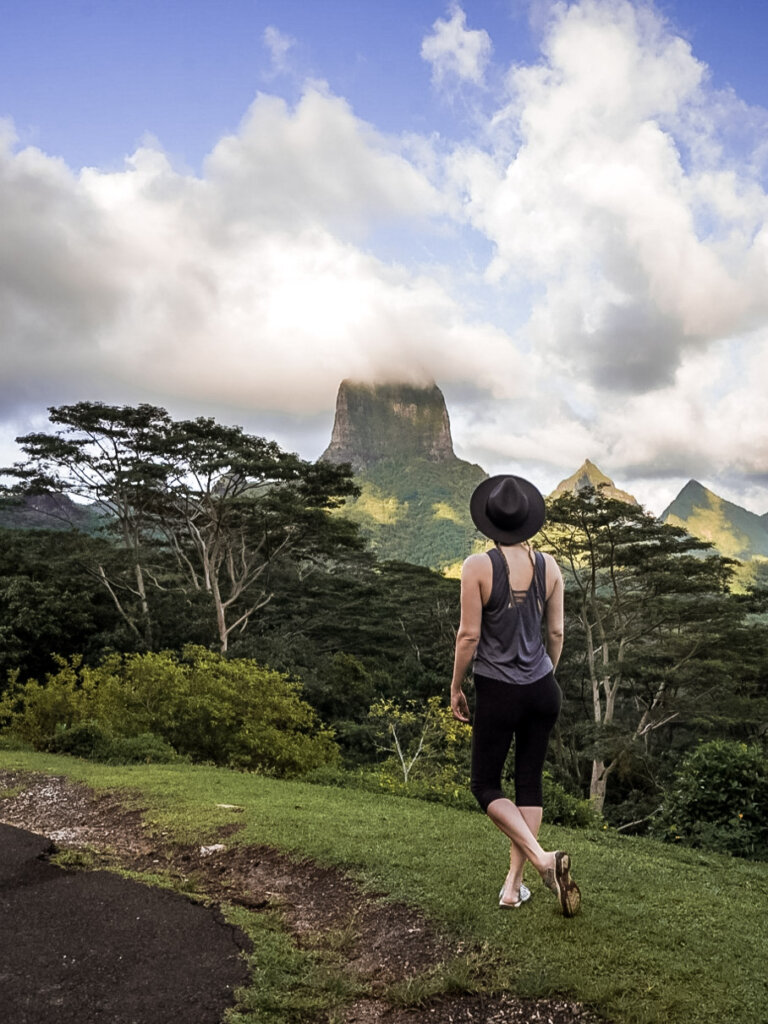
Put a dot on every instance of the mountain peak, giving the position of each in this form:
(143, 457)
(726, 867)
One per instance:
(389, 420)
(589, 475)
(734, 531)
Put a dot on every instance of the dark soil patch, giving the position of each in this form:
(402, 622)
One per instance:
(93, 947)
(382, 942)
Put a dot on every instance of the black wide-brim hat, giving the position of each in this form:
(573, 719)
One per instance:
(507, 508)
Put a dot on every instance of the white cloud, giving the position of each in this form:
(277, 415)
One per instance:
(317, 163)
(639, 256)
(454, 51)
(248, 286)
(279, 45)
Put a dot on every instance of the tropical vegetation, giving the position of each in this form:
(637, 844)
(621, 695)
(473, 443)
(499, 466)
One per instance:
(225, 610)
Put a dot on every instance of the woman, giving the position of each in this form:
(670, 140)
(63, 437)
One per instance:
(505, 595)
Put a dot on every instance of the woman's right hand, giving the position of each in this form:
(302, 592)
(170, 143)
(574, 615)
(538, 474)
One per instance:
(459, 705)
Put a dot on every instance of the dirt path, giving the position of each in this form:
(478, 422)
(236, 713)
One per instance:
(385, 942)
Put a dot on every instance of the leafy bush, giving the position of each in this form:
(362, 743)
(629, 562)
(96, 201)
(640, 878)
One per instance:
(87, 739)
(226, 711)
(10, 741)
(93, 742)
(428, 748)
(562, 808)
(372, 779)
(719, 801)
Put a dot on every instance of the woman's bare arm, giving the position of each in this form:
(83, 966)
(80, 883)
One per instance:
(554, 612)
(469, 631)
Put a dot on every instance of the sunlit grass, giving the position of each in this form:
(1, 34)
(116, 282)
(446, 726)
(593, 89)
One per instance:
(666, 934)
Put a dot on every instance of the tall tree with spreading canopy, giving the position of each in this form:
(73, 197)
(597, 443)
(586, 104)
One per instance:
(647, 605)
(106, 455)
(233, 504)
(196, 507)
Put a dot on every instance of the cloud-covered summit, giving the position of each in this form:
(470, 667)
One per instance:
(584, 270)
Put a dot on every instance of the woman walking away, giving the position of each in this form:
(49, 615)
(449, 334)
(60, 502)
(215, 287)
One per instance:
(505, 595)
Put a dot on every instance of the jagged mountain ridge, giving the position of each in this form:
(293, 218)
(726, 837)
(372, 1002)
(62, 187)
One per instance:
(734, 531)
(414, 504)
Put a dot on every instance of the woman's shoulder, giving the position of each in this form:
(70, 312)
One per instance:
(476, 564)
(551, 568)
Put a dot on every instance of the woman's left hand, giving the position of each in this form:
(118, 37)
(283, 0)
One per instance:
(459, 705)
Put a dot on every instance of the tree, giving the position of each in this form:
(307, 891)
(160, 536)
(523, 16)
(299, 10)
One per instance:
(424, 734)
(196, 507)
(49, 602)
(233, 504)
(646, 605)
(106, 455)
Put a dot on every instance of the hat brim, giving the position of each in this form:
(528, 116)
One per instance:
(533, 521)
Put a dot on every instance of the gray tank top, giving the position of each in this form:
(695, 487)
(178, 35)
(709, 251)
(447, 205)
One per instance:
(511, 647)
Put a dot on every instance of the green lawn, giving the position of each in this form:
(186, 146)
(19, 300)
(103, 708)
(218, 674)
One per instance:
(665, 935)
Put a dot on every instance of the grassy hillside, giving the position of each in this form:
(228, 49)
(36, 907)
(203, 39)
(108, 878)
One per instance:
(666, 936)
(415, 510)
(734, 531)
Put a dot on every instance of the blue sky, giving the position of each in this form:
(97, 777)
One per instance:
(558, 211)
(88, 80)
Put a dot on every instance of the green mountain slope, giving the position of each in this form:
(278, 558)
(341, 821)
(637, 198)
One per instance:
(734, 531)
(414, 510)
(49, 512)
(414, 501)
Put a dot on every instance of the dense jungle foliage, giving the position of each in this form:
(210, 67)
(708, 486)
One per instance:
(226, 612)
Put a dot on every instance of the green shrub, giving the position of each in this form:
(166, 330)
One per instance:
(147, 748)
(86, 739)
(94, 742)
(719, 801)
(427, 748)
(562, 808)
(10, 741)
(204, 706)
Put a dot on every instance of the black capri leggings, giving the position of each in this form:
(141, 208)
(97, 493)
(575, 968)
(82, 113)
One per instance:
(502, 711)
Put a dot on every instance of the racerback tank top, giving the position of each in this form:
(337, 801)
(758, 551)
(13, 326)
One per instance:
(511, 647)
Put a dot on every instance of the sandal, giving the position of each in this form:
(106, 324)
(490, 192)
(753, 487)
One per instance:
(525, 895)
(559, 880)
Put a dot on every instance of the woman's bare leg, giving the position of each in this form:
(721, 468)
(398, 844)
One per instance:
(532, 817)
(510, 819)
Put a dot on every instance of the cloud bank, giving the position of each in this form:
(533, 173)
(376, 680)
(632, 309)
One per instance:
(248, 285)
(622, 313)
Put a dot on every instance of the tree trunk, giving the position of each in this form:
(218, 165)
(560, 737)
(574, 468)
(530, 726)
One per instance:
(148, 632)
(221, 615)
(597, 785)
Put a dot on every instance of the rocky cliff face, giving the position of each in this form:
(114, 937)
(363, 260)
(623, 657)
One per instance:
(389, 421)
(588, 475)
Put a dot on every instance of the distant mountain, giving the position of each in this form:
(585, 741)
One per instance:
(414, 501)
(588, 475)
(734, 531)
(376, 422)
(48, 512)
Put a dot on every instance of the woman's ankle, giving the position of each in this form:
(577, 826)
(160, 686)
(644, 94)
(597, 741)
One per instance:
(546, 864)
